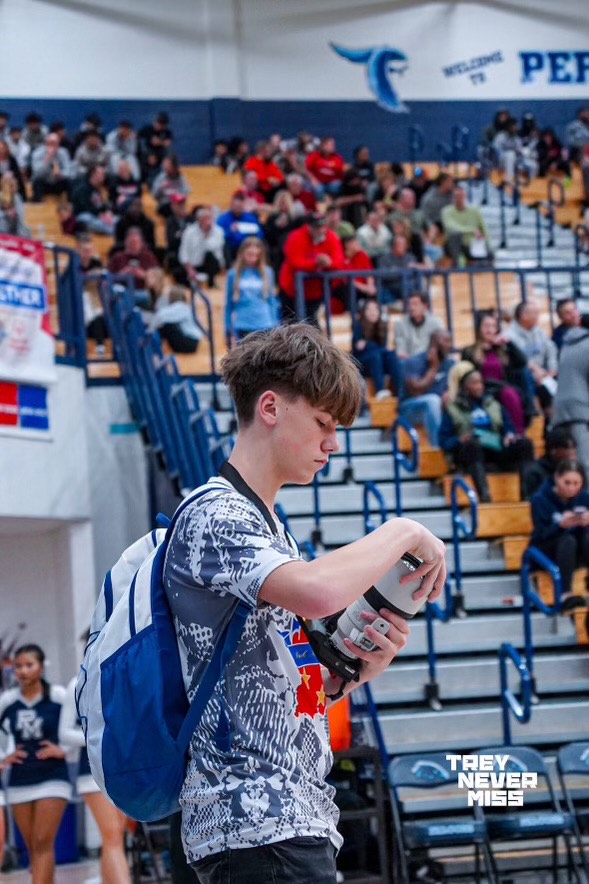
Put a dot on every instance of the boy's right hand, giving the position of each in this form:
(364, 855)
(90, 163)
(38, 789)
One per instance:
(432, 553)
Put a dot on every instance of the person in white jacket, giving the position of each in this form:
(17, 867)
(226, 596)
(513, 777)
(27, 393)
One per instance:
(109, 819)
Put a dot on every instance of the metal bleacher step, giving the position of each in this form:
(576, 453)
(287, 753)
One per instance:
(348, 498)
(477, 556)
(486, 632)
(479, 724)
(472, 678)
(341, 529)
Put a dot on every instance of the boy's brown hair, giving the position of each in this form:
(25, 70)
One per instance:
(294, 360)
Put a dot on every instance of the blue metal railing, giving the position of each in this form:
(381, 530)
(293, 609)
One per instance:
(67, 269)
(198, 296)
(416, 144)
(317, 532)
(510, 704)
(459, 138)
(513, 202)
(401, 461)
(444, 613)
(424, 280)
(532, 560)
(371, 488)
(183, 435)
(461, 531)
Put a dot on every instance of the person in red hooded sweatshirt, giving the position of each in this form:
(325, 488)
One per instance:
(310, 248)
(325, 168)
(270, 176)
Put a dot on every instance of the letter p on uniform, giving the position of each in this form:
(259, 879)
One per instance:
(532, 62)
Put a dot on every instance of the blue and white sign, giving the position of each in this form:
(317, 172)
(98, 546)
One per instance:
(383, 63)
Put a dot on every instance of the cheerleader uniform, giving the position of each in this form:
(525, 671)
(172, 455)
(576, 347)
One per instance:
(71, 735)
(29, 724)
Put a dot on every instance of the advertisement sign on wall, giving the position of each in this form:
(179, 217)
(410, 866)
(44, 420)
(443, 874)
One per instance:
(27, 349)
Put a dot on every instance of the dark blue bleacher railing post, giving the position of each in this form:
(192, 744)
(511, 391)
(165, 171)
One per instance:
(521, 709)
(317, 532)
(348, 471)
(299, 303)
(502, 219)
(401, 461)
(534, 558)
(434, 611)
(459, 140)
(416, 144)
(69, 282)
(199, 295)
(581, 232)
(461, 531)
(372, 489)
(444, 152)
(556, 199)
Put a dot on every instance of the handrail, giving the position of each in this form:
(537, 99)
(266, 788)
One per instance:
(461, 531)
(198, 293)
(401, 461)
(513, 188)
(460, 136)
(371, 488)
(443, 277)
(522, 711)
(555, 186)
(416, 144)
(434, 611)
(317, 533)
(69, 286)
(535, 557)
(283, 516)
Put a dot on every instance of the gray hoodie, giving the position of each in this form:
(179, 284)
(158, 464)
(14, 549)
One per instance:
(572, 397)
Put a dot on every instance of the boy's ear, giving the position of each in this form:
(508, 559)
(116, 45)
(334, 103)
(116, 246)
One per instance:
(267, 407)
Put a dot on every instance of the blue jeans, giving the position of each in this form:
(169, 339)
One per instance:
(376, 361)
(295, 861)
(96, 225)
(424, 411)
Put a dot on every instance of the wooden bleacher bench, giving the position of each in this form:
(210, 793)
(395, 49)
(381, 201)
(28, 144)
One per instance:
(504, 488)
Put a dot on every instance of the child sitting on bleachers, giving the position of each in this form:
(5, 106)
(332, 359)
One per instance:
(174, 320)
(369, 348)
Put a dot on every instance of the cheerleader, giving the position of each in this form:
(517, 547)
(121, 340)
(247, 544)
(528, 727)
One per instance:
(38, 785)
(110, 821)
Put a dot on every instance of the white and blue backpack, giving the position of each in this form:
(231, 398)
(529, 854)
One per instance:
(130, 692)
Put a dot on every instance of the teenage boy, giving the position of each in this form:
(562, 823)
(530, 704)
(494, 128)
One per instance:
(255, 803)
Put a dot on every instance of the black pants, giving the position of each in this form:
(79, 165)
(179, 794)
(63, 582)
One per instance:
(97, 329)
(211, 266)
(42, 188)
(182, 873)
(178, 341)
(289, 313)
(568, 550)
(473, 459)
(296, 861)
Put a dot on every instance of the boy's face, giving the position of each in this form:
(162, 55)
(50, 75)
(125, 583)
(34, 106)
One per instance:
(304, 437)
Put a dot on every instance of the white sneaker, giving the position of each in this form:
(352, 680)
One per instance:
(383, 394)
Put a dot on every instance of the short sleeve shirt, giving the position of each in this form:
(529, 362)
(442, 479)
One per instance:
(267, 782)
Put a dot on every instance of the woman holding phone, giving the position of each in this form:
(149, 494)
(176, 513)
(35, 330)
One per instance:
(560, 512)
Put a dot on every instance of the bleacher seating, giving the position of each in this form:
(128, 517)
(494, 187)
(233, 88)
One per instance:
(490, 564)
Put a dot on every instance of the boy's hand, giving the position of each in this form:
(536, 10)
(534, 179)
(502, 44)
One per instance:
(387, 646)
(432, 553)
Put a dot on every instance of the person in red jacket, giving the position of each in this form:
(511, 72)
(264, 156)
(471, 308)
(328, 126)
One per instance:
(311, 248)
(270, 176)
(326, 168)
(355, 258)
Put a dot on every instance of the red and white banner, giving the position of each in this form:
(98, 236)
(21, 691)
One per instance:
(27, 347)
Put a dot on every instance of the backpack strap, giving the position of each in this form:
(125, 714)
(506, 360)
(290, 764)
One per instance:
(227, 642)
(224, 649)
